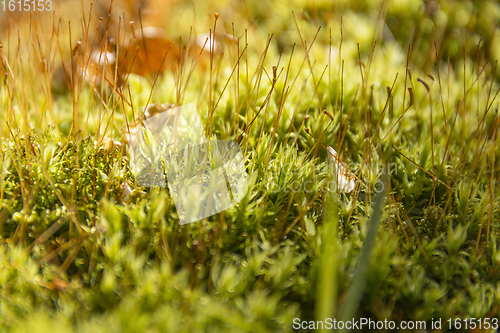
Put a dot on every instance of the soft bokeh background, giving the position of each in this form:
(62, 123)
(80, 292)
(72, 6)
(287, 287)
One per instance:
(452, 24)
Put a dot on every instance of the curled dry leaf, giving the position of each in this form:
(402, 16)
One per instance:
(168, 112)
(154, 109)
(143, 53)
(344, 178)
(98, 67)
(108, 144)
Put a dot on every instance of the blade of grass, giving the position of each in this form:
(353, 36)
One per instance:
(328, 263)
(358, 284)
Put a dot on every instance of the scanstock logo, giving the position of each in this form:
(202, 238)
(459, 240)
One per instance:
(204, 176)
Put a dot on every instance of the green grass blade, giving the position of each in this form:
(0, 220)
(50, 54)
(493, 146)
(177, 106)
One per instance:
(359, 282)
(328, 263)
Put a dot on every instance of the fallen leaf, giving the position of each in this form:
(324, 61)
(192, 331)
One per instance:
(99, 66)
(344, 178)
(148, 51)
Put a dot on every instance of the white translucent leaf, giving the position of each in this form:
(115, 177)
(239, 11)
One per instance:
(344, 178)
